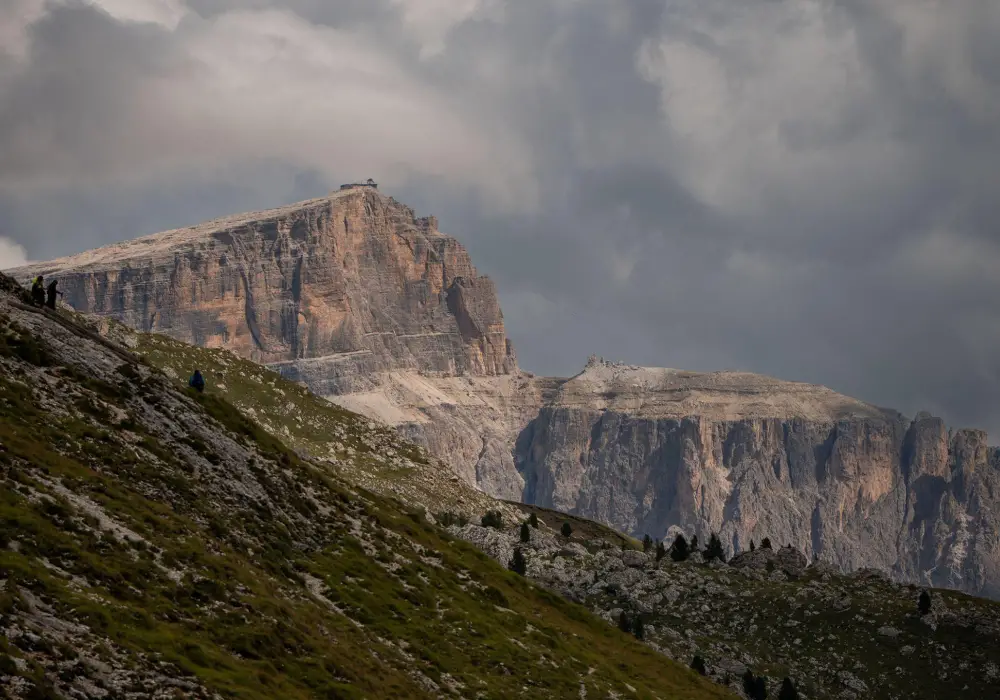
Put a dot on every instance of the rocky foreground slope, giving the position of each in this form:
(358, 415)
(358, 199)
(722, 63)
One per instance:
(156, 543)
(836, 637)
(374, 309)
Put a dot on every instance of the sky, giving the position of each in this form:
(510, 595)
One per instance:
(808, 189)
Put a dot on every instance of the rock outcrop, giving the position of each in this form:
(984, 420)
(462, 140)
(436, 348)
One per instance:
(375, 310)
(334, 290)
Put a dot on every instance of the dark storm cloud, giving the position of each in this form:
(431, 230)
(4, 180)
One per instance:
(803, 188)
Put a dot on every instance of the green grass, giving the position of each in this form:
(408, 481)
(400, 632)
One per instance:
(372, 456)
(225, 536)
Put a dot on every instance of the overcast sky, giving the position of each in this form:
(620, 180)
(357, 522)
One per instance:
(804, 188)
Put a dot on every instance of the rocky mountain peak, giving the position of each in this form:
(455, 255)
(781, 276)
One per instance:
(352, 283)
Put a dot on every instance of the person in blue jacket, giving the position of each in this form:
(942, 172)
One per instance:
(197, 382)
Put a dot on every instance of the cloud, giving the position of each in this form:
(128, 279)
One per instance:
(12, 254)
(804, 188)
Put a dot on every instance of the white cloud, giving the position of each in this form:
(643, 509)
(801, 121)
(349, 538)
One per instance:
(16, 16)
(268, 85)
(432, 20)
(166, 13)
(753, 94)
(12, 254)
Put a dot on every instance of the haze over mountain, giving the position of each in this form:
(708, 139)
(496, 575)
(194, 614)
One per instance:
(800, 188)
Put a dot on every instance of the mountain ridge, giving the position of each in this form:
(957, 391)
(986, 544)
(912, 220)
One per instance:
(399, 326)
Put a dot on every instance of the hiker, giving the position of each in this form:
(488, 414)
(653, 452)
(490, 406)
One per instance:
(38, 292)
(197, 381)
(52, 291)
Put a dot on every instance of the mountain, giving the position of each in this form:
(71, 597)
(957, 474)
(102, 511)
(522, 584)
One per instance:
(375, 310)
(156, 542)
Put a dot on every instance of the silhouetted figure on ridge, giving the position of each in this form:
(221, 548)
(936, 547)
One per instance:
(197, 382)
(38, 291)
(50, 301)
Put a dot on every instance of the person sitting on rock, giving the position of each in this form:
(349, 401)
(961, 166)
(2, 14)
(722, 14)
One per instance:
(38, 292)
(197, 382)
(50, 301)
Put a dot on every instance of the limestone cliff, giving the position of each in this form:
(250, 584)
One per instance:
(752, 457)
(376, 310)
(335, 290)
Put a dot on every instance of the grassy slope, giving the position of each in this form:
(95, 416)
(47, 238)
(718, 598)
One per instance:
(759, 618)
(248, 570)
(370, 455)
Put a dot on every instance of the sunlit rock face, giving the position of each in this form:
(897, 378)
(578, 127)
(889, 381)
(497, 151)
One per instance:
(352, 284)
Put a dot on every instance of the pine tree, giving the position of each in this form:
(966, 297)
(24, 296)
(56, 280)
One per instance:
(624, 624)
(924, 603)
(566, 530)
(493, 518)
(525, 533)
(694, 545)
(698, 664)
(518, 565)
(661, 551)
(755, 687)
(714, 549)
(647, 543)
(788, 691)
(637, 628)
(752, 547)
(679, 549)
(765, 543)
(533, 521)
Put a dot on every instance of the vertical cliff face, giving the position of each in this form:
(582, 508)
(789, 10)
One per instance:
(334, 290)
(376, 310)
(750, 457)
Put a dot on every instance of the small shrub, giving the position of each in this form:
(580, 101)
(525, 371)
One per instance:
(493, 518)
(447, 519)
(624, 623)
(637, 628)
(765, 543)
(517, 564)
(714, 549)
(525, 533)
(698, 664)
(755, 687)
(924, 603)
(661, 551)
(788, 690)
(647, 543)
(495, 596)
(533, 520)
(679, 549)
(566, 530)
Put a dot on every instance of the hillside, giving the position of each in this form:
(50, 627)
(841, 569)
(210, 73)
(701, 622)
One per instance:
(155, 543)
(854, 632)
(838, 637)
(377, 311)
